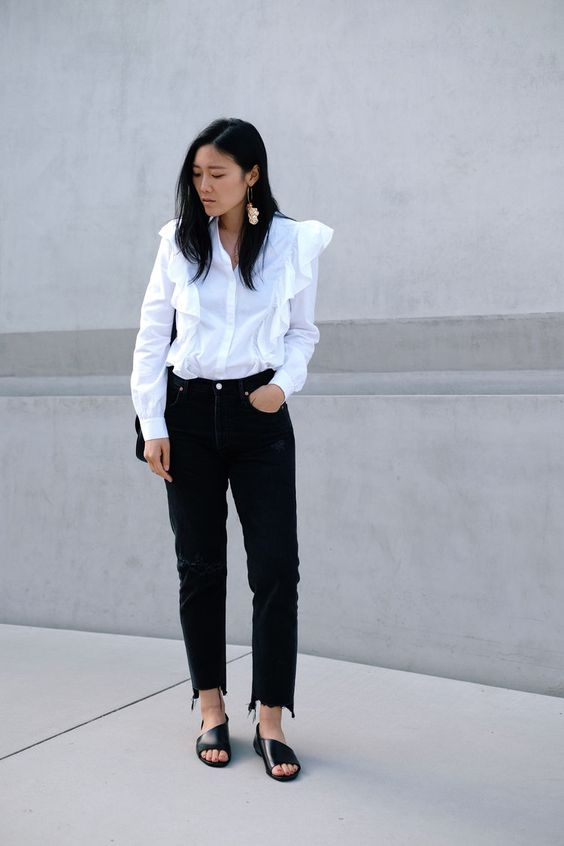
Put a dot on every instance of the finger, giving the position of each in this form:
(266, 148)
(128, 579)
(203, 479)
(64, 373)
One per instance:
(158, 468)
(166, 456)
(162, 460)
(155, 465)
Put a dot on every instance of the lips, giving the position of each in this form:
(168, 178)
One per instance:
(208, 201)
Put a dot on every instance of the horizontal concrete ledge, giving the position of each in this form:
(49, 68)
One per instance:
(482, 342)
(458, 382)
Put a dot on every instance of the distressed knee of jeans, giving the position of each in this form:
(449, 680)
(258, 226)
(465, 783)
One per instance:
(199, 565)
(279, 445)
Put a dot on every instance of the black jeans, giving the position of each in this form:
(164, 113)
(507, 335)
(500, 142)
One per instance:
(216, 437)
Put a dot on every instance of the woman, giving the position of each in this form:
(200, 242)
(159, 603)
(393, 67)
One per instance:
(240, 278)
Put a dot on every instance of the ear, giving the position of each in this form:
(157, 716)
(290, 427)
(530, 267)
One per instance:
(255, 173)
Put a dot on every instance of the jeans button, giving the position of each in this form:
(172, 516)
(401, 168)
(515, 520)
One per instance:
(218, 385)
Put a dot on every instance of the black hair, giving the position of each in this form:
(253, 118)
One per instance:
(242, 141)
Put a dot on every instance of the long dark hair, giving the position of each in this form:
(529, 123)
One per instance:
(242, 141)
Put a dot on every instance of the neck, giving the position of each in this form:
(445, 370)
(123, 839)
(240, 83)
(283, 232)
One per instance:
(232, 221)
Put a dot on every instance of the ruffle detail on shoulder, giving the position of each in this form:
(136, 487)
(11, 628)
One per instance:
(185, 297)
(168, 230)
(312, 237)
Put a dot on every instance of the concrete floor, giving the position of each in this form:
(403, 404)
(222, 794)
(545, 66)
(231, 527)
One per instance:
(97, 745)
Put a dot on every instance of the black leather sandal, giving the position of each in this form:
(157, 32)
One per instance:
(214, 738)
(274, 752)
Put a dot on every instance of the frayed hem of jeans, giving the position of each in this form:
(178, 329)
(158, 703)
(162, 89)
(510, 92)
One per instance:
(196, 694)
(253, 707)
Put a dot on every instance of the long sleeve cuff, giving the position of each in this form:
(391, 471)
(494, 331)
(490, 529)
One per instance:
(153, 427)
(283, 381)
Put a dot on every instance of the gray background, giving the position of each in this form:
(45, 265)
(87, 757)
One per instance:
(429, 433)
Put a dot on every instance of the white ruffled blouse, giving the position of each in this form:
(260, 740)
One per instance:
(224, 330)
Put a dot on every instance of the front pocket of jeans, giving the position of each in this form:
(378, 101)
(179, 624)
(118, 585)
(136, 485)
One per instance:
(266, 413)
(173, 394)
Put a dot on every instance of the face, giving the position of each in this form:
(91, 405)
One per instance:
(220, 182)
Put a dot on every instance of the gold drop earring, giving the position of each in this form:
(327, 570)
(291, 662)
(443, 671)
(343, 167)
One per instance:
(252, 212)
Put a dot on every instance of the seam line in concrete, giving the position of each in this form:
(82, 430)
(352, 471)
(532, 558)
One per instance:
(107, 713)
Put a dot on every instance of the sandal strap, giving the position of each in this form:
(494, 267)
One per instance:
(214, 738)
(277, 752)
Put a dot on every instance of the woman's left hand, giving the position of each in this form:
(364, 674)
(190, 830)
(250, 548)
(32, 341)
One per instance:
(267, 397)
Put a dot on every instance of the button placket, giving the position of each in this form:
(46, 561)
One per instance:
(230, 299)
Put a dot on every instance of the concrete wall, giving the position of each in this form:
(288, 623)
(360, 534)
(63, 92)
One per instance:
(430, 137)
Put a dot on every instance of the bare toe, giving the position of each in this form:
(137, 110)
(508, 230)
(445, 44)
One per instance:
(214, 755)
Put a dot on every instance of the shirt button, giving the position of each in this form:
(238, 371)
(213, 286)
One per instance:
(218, 385)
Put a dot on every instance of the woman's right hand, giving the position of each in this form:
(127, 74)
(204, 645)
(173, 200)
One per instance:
(157, 455)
